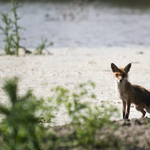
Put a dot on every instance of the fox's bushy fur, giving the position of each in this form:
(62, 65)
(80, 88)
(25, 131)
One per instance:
(130, 93)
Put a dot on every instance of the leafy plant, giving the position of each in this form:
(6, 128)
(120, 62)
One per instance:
(7, 34)
(87, 121)
(11, 30)
(16, 36)
(43, 46)
(22, 127)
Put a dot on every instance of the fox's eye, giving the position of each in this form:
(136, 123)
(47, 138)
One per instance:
(117, 75)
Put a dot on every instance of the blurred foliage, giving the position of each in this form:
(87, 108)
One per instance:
(10, 30)
(20, 128)
(87, 121)
(23, 123)
(43, 46)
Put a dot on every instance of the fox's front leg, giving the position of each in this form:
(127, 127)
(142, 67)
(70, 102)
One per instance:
(128, 110)
(123, 109)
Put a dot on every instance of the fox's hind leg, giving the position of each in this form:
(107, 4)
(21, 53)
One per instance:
(139, 108)
(147, 109)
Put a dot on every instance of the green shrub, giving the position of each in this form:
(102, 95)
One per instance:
(23, 124)
(20, 128)
(87, 121)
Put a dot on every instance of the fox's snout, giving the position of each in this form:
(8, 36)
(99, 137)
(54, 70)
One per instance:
(119, 78)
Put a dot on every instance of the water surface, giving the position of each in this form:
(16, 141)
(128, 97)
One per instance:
(73, 25)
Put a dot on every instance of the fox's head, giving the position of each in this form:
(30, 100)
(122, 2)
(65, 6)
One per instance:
(120, 74)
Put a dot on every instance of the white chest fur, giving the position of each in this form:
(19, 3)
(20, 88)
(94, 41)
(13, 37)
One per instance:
(121, 88)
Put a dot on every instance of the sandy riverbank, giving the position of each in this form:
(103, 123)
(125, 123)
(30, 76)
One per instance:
(69, 66)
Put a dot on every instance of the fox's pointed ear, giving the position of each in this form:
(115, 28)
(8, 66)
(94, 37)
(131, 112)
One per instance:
(127, 68)
(114, 67)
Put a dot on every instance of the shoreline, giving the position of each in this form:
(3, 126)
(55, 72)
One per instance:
(69, 67)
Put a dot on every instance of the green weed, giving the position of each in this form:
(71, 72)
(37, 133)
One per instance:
(87, 121)
(43, 46)
(22, 127)
(6, 32)
(11, 30)
(16, 35)
(12, 36)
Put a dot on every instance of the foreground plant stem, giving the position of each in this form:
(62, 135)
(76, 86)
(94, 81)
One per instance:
(16, 30)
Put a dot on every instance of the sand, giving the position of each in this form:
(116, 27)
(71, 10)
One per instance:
(70, 66)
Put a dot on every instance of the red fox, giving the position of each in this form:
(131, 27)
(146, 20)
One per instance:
(129, 93)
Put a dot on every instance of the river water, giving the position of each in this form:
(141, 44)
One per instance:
(73, 25)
